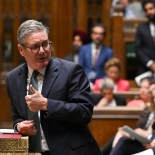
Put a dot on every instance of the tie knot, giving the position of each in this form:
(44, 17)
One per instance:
(34, 74)
(34, 81)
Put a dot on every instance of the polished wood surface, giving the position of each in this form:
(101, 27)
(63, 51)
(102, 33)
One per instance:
(106, 121)
(118, 42)
(129, 95)
(5, 110)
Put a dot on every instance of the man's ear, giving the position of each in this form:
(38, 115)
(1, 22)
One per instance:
(20, 49)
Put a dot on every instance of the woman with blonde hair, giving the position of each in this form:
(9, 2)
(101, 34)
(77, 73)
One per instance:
(113, 70)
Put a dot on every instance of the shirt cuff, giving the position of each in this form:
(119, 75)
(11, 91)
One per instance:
(15, 128)
(149, 63)
(149, 136)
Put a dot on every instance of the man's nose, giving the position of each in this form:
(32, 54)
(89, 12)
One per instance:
(41, 50)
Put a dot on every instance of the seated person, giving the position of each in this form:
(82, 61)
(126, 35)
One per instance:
(108, 98)
(112, 70)
(144, 95)
(79, 39)
(130, 10)
(127, 142)
(146, 99)
(151, 147)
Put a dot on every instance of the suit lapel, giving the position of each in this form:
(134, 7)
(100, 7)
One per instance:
(89, 56)
(50, 76)
(22, 84)
(148, 32)
(101, 54)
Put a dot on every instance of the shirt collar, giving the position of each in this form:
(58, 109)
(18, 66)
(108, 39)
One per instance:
(41, 71)
(94, 46)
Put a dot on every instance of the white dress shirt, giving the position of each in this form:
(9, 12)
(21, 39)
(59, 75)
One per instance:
(40, 78)
(93, 50)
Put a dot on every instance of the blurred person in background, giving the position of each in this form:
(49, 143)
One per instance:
(108, 98)
(94, 55)
(144, 102)
(144, 95)
(150, 147)
(79, 39)
(145, 40)
(130, 10)
(113, 70)
(124, 142)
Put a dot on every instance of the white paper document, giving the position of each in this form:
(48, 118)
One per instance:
(7, 131)
(135, 135)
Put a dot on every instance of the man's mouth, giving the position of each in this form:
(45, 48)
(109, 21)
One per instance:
(42, 58)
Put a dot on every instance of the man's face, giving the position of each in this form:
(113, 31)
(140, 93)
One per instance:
(97, 35)
(108, 94)
(40, 59)
(113, 72)
(144, 90)
(124, 3)
(77, 43)
(150, 11)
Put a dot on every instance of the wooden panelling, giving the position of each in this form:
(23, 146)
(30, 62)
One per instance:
(1, 28)
(5, 111)
(123, 33)
(106, 121)
(106, 7)
(61, 26)
(58, 14)
(129, 95)
(82, 15)
(118, 42)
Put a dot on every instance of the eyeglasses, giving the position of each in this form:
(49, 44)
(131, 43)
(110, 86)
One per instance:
(46, 45)
(97, 33)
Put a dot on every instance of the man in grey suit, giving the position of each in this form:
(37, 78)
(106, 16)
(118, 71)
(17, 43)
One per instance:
(145, 39)
(61, 107)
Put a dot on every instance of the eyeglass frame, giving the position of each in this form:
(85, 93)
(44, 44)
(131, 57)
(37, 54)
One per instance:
(41, 45)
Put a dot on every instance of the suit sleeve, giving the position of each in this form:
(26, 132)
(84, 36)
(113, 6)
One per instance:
(141, 46)
(81, 57)
(110, 53)
(15, 106)
(78, 106)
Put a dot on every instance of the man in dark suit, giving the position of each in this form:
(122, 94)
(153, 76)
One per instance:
(93, 56)
(55, 116)
(145, 39)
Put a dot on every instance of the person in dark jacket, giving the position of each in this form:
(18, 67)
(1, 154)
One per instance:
(145, 39)
(56, 115)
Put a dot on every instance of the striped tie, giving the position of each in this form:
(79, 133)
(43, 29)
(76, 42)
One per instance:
(35, 141)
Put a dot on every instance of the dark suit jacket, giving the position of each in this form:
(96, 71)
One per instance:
(69, 107)
(144, 46)
(85, 59)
